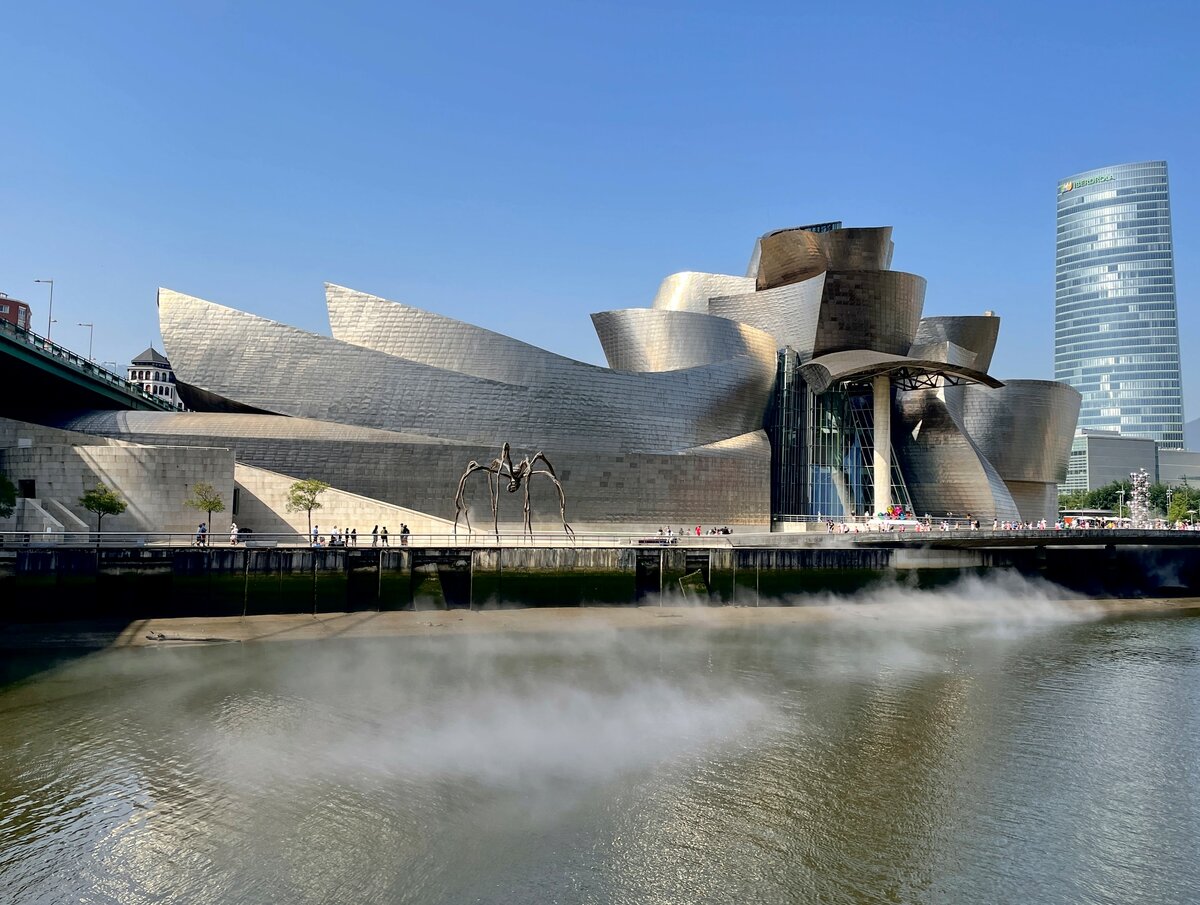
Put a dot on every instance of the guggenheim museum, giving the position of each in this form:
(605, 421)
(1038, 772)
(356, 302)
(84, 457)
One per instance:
(811, 386)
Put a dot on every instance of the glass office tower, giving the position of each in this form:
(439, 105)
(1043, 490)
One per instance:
(1116, 337)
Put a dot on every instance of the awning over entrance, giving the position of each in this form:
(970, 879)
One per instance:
(905, 373)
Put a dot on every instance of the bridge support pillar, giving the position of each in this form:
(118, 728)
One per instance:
(881, 392)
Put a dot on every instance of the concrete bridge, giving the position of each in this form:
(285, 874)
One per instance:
(43, 377)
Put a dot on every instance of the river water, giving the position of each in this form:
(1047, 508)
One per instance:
(973, 746)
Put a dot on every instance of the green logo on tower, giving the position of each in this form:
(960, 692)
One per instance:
(1083, 183)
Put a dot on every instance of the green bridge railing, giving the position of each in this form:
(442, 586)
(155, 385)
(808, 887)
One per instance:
(74, 361)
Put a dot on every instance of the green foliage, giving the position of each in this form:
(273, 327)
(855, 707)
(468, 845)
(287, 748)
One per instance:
(1109, 497)
(1185, 504)
(8, 497)
(303, 497)
(206, 498)
(102, 501)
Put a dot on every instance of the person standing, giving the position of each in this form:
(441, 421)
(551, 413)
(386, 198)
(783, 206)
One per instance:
(375, 536)
(200, 529)
(353, 537)
(316, 534)
(233, 533)
(383, 536)
(404, 533)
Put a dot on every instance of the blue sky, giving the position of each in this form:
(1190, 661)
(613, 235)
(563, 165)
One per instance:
(522, 165)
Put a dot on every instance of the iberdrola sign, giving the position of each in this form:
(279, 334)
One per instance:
(1083, 183)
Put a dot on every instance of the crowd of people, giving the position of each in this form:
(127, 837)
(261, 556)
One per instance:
(348, 537)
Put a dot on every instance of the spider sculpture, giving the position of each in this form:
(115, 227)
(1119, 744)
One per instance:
(519, 476)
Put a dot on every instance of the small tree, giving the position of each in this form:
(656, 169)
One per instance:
(8, 497)
(303, 497)
(205, 498)
(102, 501)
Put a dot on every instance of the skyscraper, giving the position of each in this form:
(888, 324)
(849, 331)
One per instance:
(1116, 335)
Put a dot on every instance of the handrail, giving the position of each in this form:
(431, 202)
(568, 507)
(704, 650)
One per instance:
(79, 363)
(300, 540)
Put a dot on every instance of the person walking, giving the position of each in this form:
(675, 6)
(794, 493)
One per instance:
(383, 536)
(404, 533)
(233, 533)
(375, 536)
(316, 534)
(200, 531)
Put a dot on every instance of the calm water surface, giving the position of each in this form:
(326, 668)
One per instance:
(927, 756)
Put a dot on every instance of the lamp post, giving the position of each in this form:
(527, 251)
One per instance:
(1170, 493)
(50, 311)
(91, 333)
(1120, 505)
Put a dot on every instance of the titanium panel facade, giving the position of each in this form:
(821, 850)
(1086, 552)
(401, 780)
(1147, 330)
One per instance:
(655, 339)
(1116, 333)
(284, 370)
(690, 290)
(1025, 430)
(791, 255)
(976, 333)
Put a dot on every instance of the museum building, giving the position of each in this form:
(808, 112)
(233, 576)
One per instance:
(811, 386)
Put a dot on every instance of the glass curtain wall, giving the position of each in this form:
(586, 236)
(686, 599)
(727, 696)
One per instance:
(821, 449)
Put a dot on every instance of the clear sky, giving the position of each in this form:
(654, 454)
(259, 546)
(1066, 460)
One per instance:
(521, 165)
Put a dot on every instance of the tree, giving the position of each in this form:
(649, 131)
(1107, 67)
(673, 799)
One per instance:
(8, 497)
(102, 501)
(205, 498)
(303, 497)
(1185, 504)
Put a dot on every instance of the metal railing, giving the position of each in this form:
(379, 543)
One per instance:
(298, 539)
(301, 540)
(81, 364)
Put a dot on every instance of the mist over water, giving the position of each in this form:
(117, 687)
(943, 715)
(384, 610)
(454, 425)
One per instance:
(992, 741)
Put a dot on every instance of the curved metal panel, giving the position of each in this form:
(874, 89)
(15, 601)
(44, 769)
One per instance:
(859, 248)
(869, 309)
(942, 467)
(975, 332)
(1025, 428)
(417, 335)
(691, 290)
(278, 368)
(789, 313)
(654, 339)
(790, 255)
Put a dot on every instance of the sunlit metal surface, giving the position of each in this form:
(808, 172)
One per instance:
(791, 255)
(1025, 429)
(976, 333)
(655, 339)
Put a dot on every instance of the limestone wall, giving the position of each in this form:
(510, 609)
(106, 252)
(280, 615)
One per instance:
(154, 481)
(262, 499)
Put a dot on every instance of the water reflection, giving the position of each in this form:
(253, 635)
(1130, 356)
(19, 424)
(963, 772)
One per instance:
(1036, 757)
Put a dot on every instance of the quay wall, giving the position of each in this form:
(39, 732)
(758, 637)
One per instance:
(62, 582)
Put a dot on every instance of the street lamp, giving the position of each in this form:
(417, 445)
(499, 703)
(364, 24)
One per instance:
(50, 311)
(1170, 493)
(1120, 505)
(91, 333)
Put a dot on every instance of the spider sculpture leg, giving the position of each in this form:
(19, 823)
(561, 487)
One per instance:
(460, 505)
(562, 498)
(528, 530)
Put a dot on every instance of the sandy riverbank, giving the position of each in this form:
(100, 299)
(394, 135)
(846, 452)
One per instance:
(253, 629)
(300, 627)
